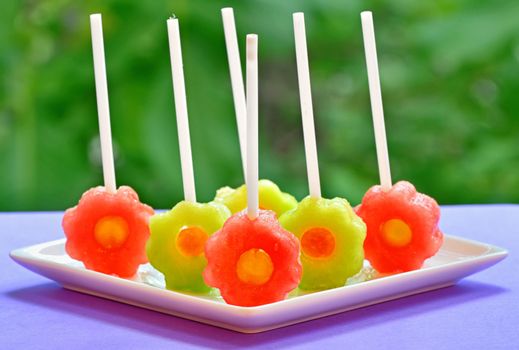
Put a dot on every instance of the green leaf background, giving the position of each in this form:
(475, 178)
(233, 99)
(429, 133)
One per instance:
(450, 78)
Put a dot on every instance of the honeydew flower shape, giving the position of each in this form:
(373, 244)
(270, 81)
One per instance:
(108, 231)
(253, 261)
(176, 244)
(270, 198)
(402, 227)
(331, 237)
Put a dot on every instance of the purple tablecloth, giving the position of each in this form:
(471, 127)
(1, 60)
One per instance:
(481, 312)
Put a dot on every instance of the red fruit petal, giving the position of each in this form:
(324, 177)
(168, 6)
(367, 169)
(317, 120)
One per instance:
(420, 212)
(238, 235)
(79, 223)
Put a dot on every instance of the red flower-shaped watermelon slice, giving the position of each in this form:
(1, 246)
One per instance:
(252, 261)
(108, 231)
(402, 227)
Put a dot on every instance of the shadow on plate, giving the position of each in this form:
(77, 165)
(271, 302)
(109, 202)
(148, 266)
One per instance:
(52, 296)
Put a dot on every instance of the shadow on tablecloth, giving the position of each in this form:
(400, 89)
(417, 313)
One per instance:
(54, 297)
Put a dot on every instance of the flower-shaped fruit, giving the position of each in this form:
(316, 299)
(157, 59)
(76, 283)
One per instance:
(270, 198)
(253, 262)
(331, 237)
(176, 244)
(402, 227)
(108, 231)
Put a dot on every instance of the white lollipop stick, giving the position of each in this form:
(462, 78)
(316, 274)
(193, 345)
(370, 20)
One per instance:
(103, 109)
(238, 91)
(179, 90)
(252, 126)
(305, 95)
(376, 100)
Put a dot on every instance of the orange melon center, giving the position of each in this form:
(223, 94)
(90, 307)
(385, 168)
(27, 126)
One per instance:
(318, 243)
(254, 267)
(111, 232)
(191, 241)
(396, 233)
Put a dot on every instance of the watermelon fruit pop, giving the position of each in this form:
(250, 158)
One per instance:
(330, 233)
(270, 196)
(252, 260)
(402, 223)
(108, 231)
(178, 236)
(108, 228)
(402, 227)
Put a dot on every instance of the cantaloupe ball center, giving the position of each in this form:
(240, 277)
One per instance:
(111, 232)
(396, 233)
(254, 267)
(318, 242)
(191, 241)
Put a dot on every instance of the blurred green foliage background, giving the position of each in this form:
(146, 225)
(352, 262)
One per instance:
(450, 79)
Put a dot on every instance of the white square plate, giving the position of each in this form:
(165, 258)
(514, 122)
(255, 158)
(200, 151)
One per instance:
(456, 259)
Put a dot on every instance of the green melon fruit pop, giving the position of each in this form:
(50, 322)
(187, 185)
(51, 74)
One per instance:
(270, 196)
(330, 233)
(176, 244)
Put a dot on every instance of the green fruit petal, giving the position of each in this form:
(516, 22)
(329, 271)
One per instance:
(349, 230)
(182, 272)
(270, 197)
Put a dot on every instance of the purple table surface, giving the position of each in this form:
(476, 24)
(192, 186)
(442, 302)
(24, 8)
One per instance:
(480, 312)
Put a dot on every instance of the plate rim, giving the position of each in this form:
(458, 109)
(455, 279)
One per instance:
(28, 258)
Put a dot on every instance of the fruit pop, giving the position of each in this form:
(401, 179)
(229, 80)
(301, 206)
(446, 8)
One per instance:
(270, 195)
(178, 236)
(252, 260)
(402, 223)
(331, 234)
(108, 228)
